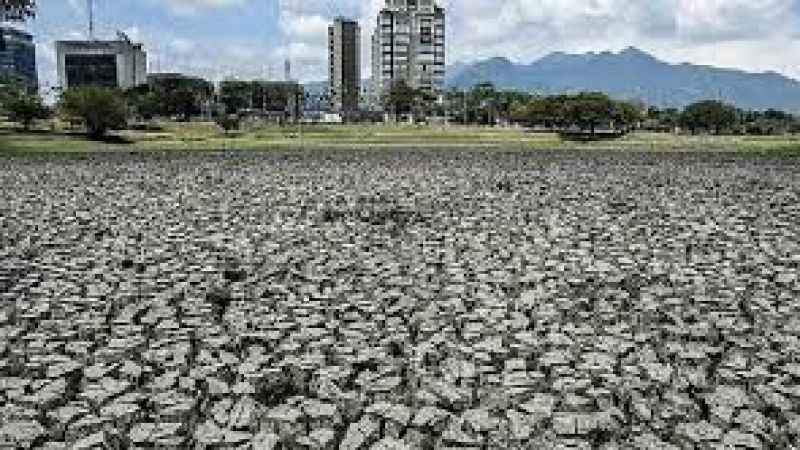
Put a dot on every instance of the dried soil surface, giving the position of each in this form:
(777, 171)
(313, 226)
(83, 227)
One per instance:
(410, 299)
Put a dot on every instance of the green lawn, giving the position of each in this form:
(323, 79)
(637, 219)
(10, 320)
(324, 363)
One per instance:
(206, 136)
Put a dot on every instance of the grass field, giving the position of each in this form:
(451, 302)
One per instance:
(206, 136)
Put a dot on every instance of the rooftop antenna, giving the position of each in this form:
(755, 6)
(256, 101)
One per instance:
(123, 37)
(90, 8)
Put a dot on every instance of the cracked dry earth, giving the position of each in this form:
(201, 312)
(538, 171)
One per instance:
(389, 300)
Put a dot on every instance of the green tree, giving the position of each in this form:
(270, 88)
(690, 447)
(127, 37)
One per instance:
(148, 106)
(508, 103)
(670, 118)
(587, 110)
(484, 98)
(183, 102)
(10, 87)
(424, 104)
(709, 115)
(401, 98)
(181, 97)
(627, 114)
(25, 109)
(767, 122)
(228, 122)
(518, 112)
(144, 103)
(101, 109)
(548, 111)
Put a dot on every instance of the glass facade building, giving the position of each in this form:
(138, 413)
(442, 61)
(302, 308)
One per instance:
(18, 55)
(92, 70)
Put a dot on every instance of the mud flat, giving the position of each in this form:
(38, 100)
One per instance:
(410, 299)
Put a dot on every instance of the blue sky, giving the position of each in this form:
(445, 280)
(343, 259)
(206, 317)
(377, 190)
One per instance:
(251, 38)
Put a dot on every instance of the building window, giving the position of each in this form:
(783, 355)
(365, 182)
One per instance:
(95, 70)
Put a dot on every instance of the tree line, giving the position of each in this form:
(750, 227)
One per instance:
(585, 111)
(484, 104)
(101, 109)
(179, 98)
(588, 111)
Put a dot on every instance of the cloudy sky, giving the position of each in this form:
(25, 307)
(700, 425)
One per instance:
(251, 38)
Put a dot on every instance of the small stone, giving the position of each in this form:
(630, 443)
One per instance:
(736, 439)
(564, 424)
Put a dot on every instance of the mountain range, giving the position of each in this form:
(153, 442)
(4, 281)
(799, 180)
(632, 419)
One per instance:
(633, 74)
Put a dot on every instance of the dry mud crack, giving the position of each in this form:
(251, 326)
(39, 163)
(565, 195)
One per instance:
(411, 299)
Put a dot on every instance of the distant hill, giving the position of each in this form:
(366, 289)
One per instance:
(633, 74)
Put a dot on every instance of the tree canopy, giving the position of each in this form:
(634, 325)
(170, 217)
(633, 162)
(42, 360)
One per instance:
(708, 115)
(10, 87)
(228, 122)
(101, 109)
(20, 102)
(587, 111)
(25, 108)
(402, 97)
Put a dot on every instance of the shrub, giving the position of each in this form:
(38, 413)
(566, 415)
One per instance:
(228, 122)
(25, 108)
(146, 105)
(101, 109)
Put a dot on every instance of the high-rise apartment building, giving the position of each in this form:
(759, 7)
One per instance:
(18, 55)
(344, 66)
(116, 64)
(409, 45)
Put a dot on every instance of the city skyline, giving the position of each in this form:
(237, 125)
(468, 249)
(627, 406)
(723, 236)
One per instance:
(177, 33)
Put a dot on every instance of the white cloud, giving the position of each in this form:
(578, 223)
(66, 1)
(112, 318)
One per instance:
(305, 28)
(718, 20)
(732, 33)
(195, 6)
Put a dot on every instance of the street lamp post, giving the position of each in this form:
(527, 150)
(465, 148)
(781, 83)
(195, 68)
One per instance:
(465, 106)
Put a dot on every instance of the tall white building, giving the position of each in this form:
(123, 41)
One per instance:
(116, 64)
(408, 44)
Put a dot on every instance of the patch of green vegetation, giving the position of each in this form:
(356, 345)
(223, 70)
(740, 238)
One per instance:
(198, 136)
(18, 142)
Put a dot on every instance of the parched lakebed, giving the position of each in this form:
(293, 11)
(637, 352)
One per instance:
(408, 299)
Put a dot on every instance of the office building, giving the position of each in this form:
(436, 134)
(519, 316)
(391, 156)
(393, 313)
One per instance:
(409, 44)
(282, 101)
(170, 85)
(166, 82)
(116, 64)
(18, 55)
(344, 66)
